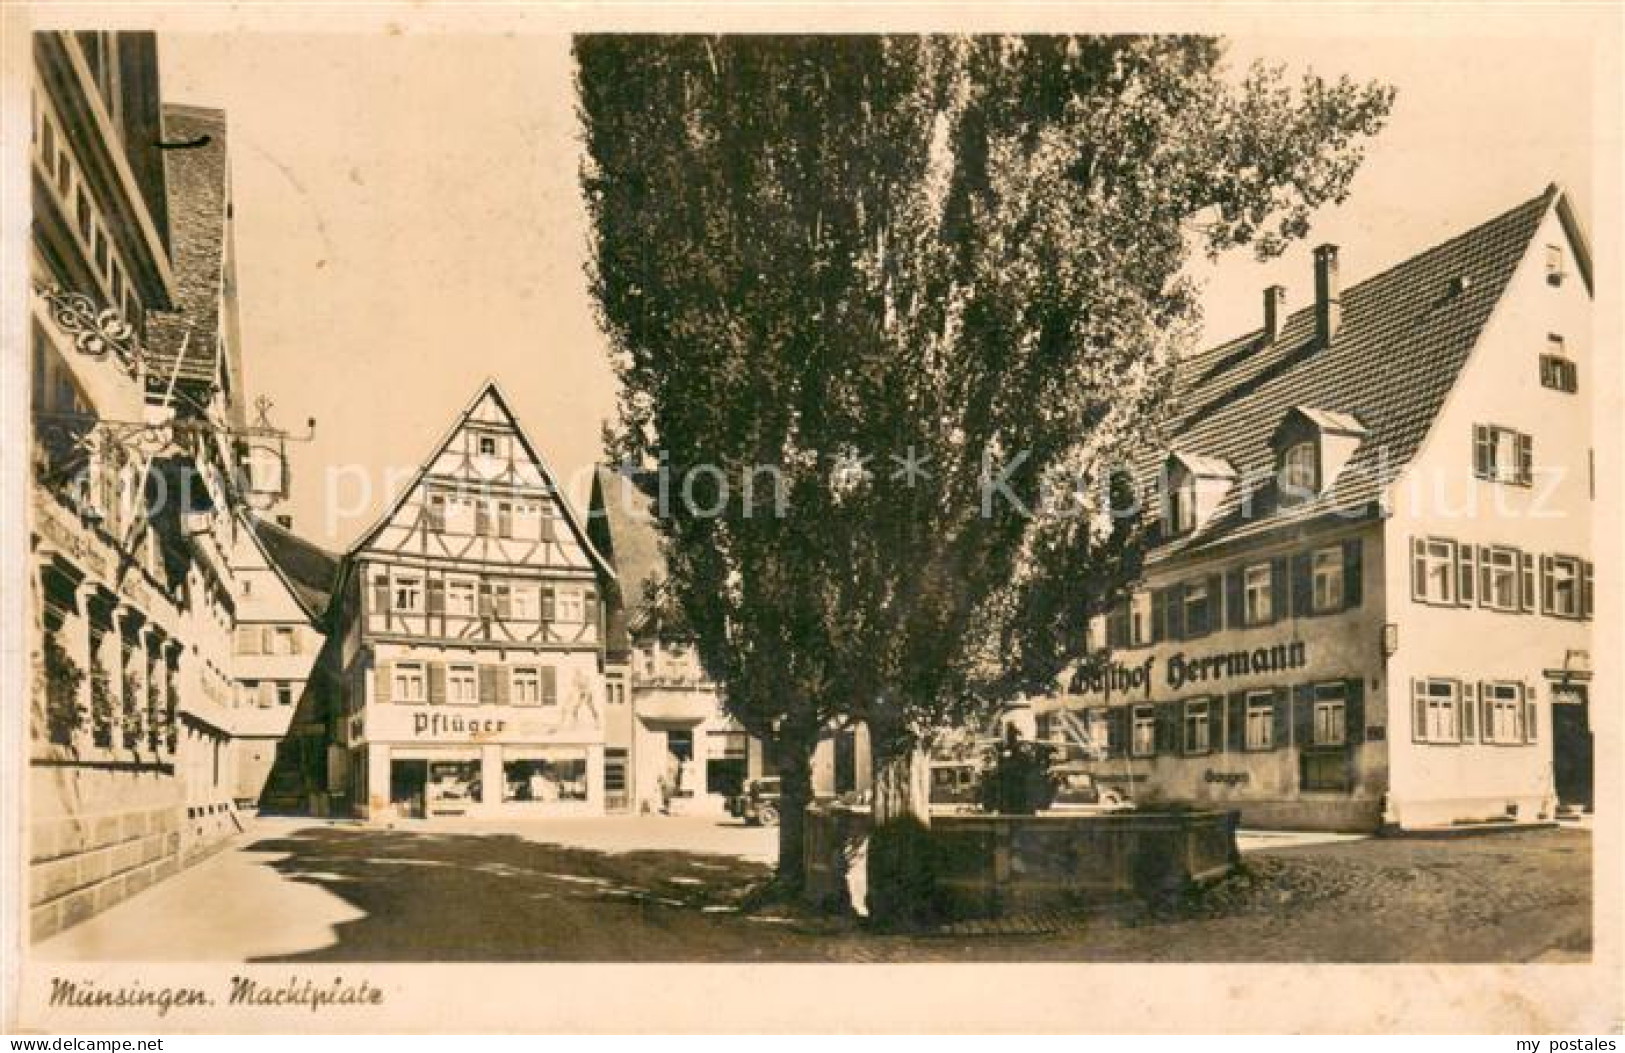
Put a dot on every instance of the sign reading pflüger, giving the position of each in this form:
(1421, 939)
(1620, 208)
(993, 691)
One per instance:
(1182, 669)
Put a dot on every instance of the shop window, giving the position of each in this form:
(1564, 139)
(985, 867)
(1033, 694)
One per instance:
(1198, 738)
(1327, 771)
(1498, 578)
(1560, 586)
(1436, 711)
(1505, 718)
(1331, 715)
(725, 763)
(1198, 607)
(1260, 720)
(1327, 573)
(1258, 584)
(463, 685)
(408, 682)
(408, 593)
(1433, 573)
(554, 777)
(1502, 455)
(1145, 731)
(616, 795)
(453, 786)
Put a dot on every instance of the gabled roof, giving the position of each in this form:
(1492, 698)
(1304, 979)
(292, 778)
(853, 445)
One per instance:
(1204, 467)
(1328, 420)
(494, 390)
(623, 525)
(310, 573)
(185, 342)
(1404, 338)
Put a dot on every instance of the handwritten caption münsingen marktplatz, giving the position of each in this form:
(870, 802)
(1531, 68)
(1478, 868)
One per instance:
(295, 991)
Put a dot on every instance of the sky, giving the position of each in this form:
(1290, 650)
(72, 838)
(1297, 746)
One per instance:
(408, 223)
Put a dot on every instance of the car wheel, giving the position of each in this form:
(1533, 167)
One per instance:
(767, 815)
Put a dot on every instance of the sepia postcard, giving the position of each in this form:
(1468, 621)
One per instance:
(780, 518)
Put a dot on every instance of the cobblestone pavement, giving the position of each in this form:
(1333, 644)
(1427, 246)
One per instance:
(599, 890)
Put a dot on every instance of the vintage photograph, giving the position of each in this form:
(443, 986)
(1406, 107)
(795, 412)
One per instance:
(806, 497)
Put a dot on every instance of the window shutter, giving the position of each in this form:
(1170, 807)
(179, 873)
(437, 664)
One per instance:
(1526, 459)
(1419, 712)
(267, 694)
(1483, 452)
(1303, 714)
(1526, 582)
(1303, 585)
(1419, 568)
(437, 682)
(1159, 615)
(1466, 574)
(504, 601)
(1116, 725)
(1278, 588)
(1467, 723)
(1236, 722)
(1486, 577)
(381, 681)
(268, 639)
(1235, 599)
(380, 592)
(490, 682)
(437, 595)
(550, 686)
(1354, 710)
(1585, 589)
(1546, 598)
(504, 685)
(1489, 728)
(1176, 612)
(589, 606)
(505, 519)
(1531, 725)
(1352, 574)
(482, 518)
(548, 610)
(487, 604)
(1215, 602)
(1281, 714)
(248, 639)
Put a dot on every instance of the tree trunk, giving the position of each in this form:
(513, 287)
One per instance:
(795, 789)
(901, 862)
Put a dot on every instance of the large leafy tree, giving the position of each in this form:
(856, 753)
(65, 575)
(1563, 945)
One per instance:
(925, 292)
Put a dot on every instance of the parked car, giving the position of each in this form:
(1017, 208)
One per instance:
(759, 804)
(1077, 790)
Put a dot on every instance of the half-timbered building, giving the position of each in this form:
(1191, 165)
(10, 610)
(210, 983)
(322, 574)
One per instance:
(468, 640)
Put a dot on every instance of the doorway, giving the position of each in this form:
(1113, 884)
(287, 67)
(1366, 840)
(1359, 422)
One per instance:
(1572, 745)
(408, 779)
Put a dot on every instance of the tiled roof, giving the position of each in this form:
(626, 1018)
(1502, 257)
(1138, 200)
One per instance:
(1404, 337)
(309, 571)
(622, 526)
(197, 178)
(1330, 420)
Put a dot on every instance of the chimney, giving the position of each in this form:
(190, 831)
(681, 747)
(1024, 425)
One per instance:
(1328, 295)
(1274, 312)
(285, 522)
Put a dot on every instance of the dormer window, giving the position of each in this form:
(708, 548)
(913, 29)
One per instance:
(1300, 470)
(1194, 487)
(1180, 515)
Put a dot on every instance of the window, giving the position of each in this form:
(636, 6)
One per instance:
(1197, 739)
(1326, 570)
(1503, 713)
(248, 639)
(1498, 578)
(1557, 369)
(284, 693)
(1260, 720)
(1198, 608)
(1117, 625)
(615, 692)
(1435, 717)
(1433, 574)
(1554, 265)
(527, 686)
(463, 685)
(460, 597)
(1300, 471)
(527, 521)
(1179, 513)
(523, 602)
(1144, 743)
(408, 683)
(1259, 586)
(409, 593)
(1560, 585)
(437, 513)
(488, 446)
(1331, 715)
(570, 605)
(1140, 619)
(504, 519)
(1502, 455)
(285, 641)
(556, 777)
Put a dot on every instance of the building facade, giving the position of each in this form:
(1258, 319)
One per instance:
(133, 486)
(466, 650)
(1368, 602)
